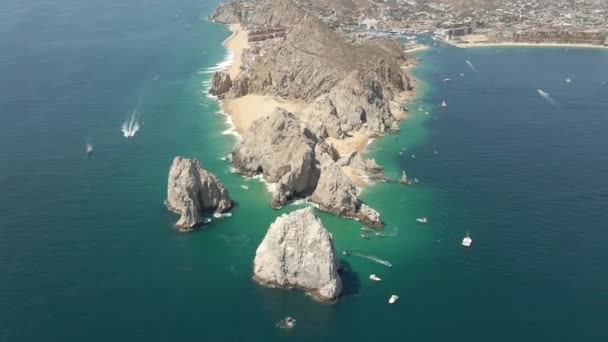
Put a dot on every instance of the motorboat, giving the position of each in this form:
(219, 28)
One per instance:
(374, 277)
(89, 149)
(365, 236)
(414, 156)
(206, 220)
(366, 229)
(416, 180)
(467, 241)
(393, 299)
(346, 252)
(443, 104)
(422, 220)
(287, 323)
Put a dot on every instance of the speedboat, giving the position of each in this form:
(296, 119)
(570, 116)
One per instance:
(89, 149)
(416, 180)
(365, 236)
(366, 229)
(467, 241)
(414, 156)
(287, 323)
(378, 234)
(393, 299)
(443, 104)
(206, 220)
(245, 187)
(422, 220)
(447, 79)
(346, 252)
(374, 277)
(568, 80)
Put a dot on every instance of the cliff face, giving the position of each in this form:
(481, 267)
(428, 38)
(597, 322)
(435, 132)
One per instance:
(285, 152)
(220, 84)
(297, 252)
(192, 190)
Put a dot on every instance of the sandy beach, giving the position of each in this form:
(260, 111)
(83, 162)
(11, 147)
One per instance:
(480, 40)
(419, 47)
(245, 110)
(236, 44)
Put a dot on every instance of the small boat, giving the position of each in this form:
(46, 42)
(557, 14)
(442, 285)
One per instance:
(374, 277)
(422, 220)
(436, 152)
(366, 229)
(287, 323)
(447, 79)
(461, 74)
(206, 220)
(416, 180)
(568, 80)
(443, 104)
(245, 187)
(365, 236)
(89, 149)
(378, 234)
(393, 299)
(426, 113)
(346, 252)
(414, 156)
(467, 241)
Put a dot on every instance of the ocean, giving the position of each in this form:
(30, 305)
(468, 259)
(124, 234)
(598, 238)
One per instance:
(87, 251)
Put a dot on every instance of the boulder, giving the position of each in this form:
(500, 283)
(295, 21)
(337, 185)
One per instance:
(220, 84)
(297, 252)
(335, 193)
(370, 216)
(192, 190)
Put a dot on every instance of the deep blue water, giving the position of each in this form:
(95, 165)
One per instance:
(86, 247)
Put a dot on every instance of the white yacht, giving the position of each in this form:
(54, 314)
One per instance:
(422, 220)
(374, 277)
(393, 299)
(467, 241)
(443, 104)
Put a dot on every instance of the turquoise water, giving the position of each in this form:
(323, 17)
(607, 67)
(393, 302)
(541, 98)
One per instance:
(86, 246)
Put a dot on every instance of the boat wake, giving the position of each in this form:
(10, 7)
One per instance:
(372, 258)
(471, 65)
(393, 233)
(130, 126)
(546, 96)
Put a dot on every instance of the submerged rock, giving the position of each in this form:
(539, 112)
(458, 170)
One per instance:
(192, 190)
(297, 252)
(220, 83)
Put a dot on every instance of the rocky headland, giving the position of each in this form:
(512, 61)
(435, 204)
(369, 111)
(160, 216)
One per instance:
(346, 92)
(297, 252)
(191, 190)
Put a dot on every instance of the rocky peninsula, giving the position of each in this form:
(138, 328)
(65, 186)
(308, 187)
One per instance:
(297, 252)
(328, 97)
(191, 190)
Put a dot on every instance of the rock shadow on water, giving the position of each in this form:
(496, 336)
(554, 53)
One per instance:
(351, 282)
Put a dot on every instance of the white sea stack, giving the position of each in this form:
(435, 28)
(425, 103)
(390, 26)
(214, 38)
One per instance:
(192, 190)
(297, 252)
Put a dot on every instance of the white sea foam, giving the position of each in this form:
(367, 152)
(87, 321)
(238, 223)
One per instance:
(130, 127)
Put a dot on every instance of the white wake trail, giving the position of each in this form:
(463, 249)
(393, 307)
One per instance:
(546, 96)
(130, 126)
(471, 65)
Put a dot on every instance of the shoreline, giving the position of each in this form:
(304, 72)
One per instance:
(241, 112)
(481, 40)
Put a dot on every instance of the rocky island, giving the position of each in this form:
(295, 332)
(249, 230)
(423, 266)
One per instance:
(328, 96)
(297, 252)
(192, 190)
